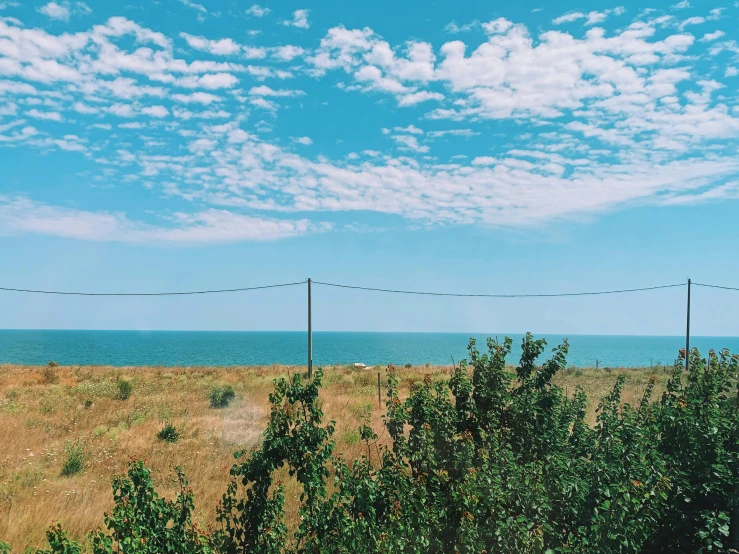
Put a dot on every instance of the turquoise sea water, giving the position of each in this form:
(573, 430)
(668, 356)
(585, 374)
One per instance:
(175, 348)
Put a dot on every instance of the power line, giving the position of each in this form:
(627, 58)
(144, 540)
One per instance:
(497, 295)
(356, 287)
(65, 293)
(715, 286)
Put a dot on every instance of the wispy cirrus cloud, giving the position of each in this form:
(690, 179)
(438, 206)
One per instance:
(22, 215)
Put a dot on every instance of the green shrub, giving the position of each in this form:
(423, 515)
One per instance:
(169, 433)
(143, 522)
(220, 396)
(124, 389)
(59, 543)
(52, 363)
(75, 460)
(408, 365)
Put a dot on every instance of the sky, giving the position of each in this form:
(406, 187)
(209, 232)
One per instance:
(474, 147)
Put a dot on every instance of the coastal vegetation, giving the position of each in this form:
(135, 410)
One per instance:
(481, 457)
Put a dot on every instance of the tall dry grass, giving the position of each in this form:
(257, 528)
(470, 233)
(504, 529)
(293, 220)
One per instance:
(44, 410)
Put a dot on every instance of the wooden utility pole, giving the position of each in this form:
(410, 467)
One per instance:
(687, 334)
(310, 333)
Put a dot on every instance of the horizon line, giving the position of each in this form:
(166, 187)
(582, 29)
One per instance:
(467, 333)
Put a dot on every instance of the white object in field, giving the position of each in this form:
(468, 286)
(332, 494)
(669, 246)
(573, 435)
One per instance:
(360, 366)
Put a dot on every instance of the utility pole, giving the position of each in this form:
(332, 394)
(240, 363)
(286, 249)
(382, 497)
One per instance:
(687, 334)
(310, 334)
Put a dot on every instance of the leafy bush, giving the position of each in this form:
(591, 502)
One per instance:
(488, 461)
(143, 522)
(52, 363)
(124, 389)
(59, 543)
(220, 396)
(75, 461)
(169, 433)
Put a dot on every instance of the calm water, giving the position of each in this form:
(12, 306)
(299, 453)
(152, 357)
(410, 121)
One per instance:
(172, 348)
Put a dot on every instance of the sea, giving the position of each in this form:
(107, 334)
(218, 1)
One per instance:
(229, 348)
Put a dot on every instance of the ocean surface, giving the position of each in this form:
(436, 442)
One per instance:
(188, 348)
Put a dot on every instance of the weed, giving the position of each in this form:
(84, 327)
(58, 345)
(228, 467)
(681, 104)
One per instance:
(351, 437)
(49, 373)
(75, 461)
(169, 433)
(220, 396)
(124, 389)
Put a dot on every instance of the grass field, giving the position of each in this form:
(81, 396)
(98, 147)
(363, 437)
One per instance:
(46, 412)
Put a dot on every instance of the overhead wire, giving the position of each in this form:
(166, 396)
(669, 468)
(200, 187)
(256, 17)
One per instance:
(182, 293)
(538, 295)
(364, 288)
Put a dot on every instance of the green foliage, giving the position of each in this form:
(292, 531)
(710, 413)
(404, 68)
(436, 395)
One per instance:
(220, 396)
(489, 461)
(75, 460)
(124, 390)
(169, 433)
(59, 543)
(142, 522)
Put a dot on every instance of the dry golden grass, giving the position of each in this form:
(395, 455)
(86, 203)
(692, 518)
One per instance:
(42, 411)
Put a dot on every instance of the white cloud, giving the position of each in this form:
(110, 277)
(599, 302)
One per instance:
(454, 29)
(484, 160)
(254, 53)
(217, 80)
(197, 97)
(591, 18)
(418, 97)
(55, 11)
(288, 52)
(257, 11)
(50, 116)
(267, 91)
(300, 19)
(697, 20)
(411, 129)
(409, 142)
(708, 37)
(155, 111)
(607, 119)
(221, 47)
(682, 5)
(453, 132)
(302, 140)
(22, 215)
(263, 103)
(197, 7)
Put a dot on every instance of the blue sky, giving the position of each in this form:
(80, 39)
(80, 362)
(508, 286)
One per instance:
(475, 147)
